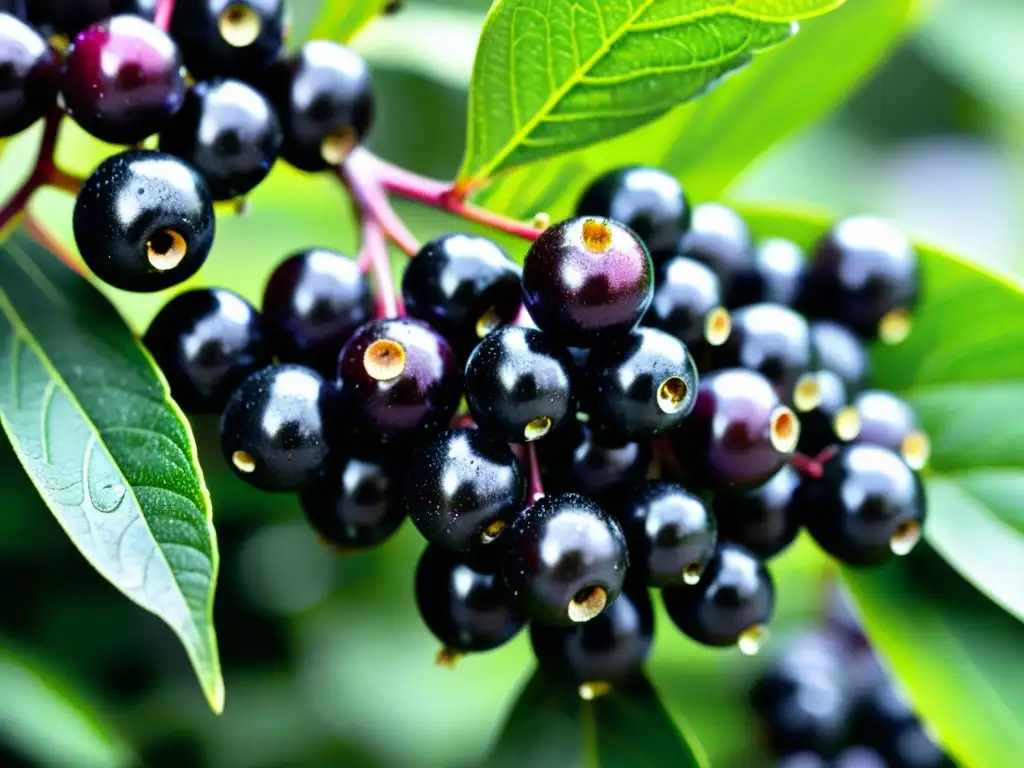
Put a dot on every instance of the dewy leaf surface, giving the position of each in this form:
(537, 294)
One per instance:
(91, 421)
(554, 75)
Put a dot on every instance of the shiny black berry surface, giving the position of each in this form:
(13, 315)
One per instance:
(887, 420)
(578, 459)
(144, 221)
(607, 649)
(466, 608)
(69, 17)
(398, 378)
(324, 98)
(721, 239)
(235, 38)
(273, 431)
(775, 275)
(685, 293)
(868, 506)
(827, 418)
(649, 201)
(312, 303)
(639, 385)
(731, 603)
(761, 519)
(29, 74)
(207, 342)
(670, 532)
(519, 385)
(463, 488)
(586, 280)
(122, 79)
(565, 559)
(229, 132)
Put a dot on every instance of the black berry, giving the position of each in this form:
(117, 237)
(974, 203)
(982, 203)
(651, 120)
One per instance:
(29, 70)
(685, 294)
(889, 421)
(577, 459)
(237, 38)
(565, 559)
(826, 417)
(837, 349)
(761, 519)
(586, 280)
(719, 238)
(774, 276)
(144, 221)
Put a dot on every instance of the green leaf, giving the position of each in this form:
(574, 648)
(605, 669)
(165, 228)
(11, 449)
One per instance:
(46, 722)
(554, 75)
(627, 728)
(956, 653)
(341, 20)
(963, 376)
(91, 420)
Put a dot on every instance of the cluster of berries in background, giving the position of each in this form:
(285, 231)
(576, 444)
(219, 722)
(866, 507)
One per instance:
(654, 400)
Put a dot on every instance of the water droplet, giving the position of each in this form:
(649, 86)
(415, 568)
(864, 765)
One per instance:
(691, 574)
(591, 691)
(905, 538)
(107, 498)
(753, 639)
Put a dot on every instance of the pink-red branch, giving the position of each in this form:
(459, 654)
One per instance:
(164, 13)
(536, 489)
(374, 252)
(358, 175)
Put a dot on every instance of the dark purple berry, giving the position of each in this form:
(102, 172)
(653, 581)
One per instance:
(235, 38)
(889, 421)
(29, 70)
(685, 295)
(207, 342)
(576, 459)
(586, 280)
(774, 276)
(826, 416)
(719, 238)
(838, 350)
(761, 519)
(565, 559)
(69, 17)
(122, 79)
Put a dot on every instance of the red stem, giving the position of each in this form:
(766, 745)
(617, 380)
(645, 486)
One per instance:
(164, 13)
(44, 172)
(358, 174)
(45, 238)
(374, 251)
(536, 490)
(806, 465)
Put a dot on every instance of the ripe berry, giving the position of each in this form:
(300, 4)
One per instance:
(144, 221)
(466, 608)
(356, 502)
(864, 275)
(229, 132)
(463, 285)
(730, 605)
(775, 275)
(596, 467)
(273, 429)
(518, 385)
(639, 385)
(207, 342)
(868, 506)
(69, 17)
(312, 304)
(761, 519)
(671, 534)
(607, 649)
(914, 747)
(237, 38)
(398, 378)
(859, 757)
(586, 280)
(565, 559)
(771, 339)
(324, 97)
(719, 238)
(838, 350)
(803, 759)
(28, 75)
(463, 488)
(826, 416)
(739, 433)
(647, 200)
(685, 294)
(122, 79)
(888, 421)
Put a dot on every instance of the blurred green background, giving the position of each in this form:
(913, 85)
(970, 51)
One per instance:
(325, 659)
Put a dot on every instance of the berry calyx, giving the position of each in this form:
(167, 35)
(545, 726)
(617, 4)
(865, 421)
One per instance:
(29, 70)
(236, 38)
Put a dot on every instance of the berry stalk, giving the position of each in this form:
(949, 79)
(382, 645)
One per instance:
(374, 252)
(536, 487)
(806, 465)
(358, 174)
(44, 172)
(163, 14)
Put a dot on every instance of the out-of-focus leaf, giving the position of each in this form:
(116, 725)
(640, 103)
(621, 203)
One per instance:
(91, 420)
(341, 19)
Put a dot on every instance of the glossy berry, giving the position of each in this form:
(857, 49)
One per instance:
(207, 342)
(273, 429)
(639, 385)
(647, 200)
(69, 17)
(398, 379)
(868, 506)
(463, 488)
(889, 421)
(771, 339)
(739, 433)
(518, 385)
(356, 502)
(236, 38)
(685, 294)
(324, 97)
(826, 416)
(464, 285)
(122, 79)
(719, 238)
(611, 647)
(229, 132)
(774, 276)
(28, 75)
(837, 349)
(565, 559)
(670, 533)
(576, 459)
(859, 757)
(884, 720)
(730, 605)
(865, 275)
(586, 280)
(803, 759)
(761, 519)
(144, 221)
(468, 609)
(312, 303)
